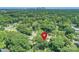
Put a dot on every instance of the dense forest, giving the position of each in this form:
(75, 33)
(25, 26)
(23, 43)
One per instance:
(20, 30)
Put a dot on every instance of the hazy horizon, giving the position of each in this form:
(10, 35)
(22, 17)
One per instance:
(39, 7)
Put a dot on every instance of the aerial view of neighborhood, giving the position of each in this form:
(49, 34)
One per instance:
(39, 29)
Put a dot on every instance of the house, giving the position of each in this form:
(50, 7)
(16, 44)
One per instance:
(4, 50)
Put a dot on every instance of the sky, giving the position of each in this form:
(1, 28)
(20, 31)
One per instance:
(39, 3)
